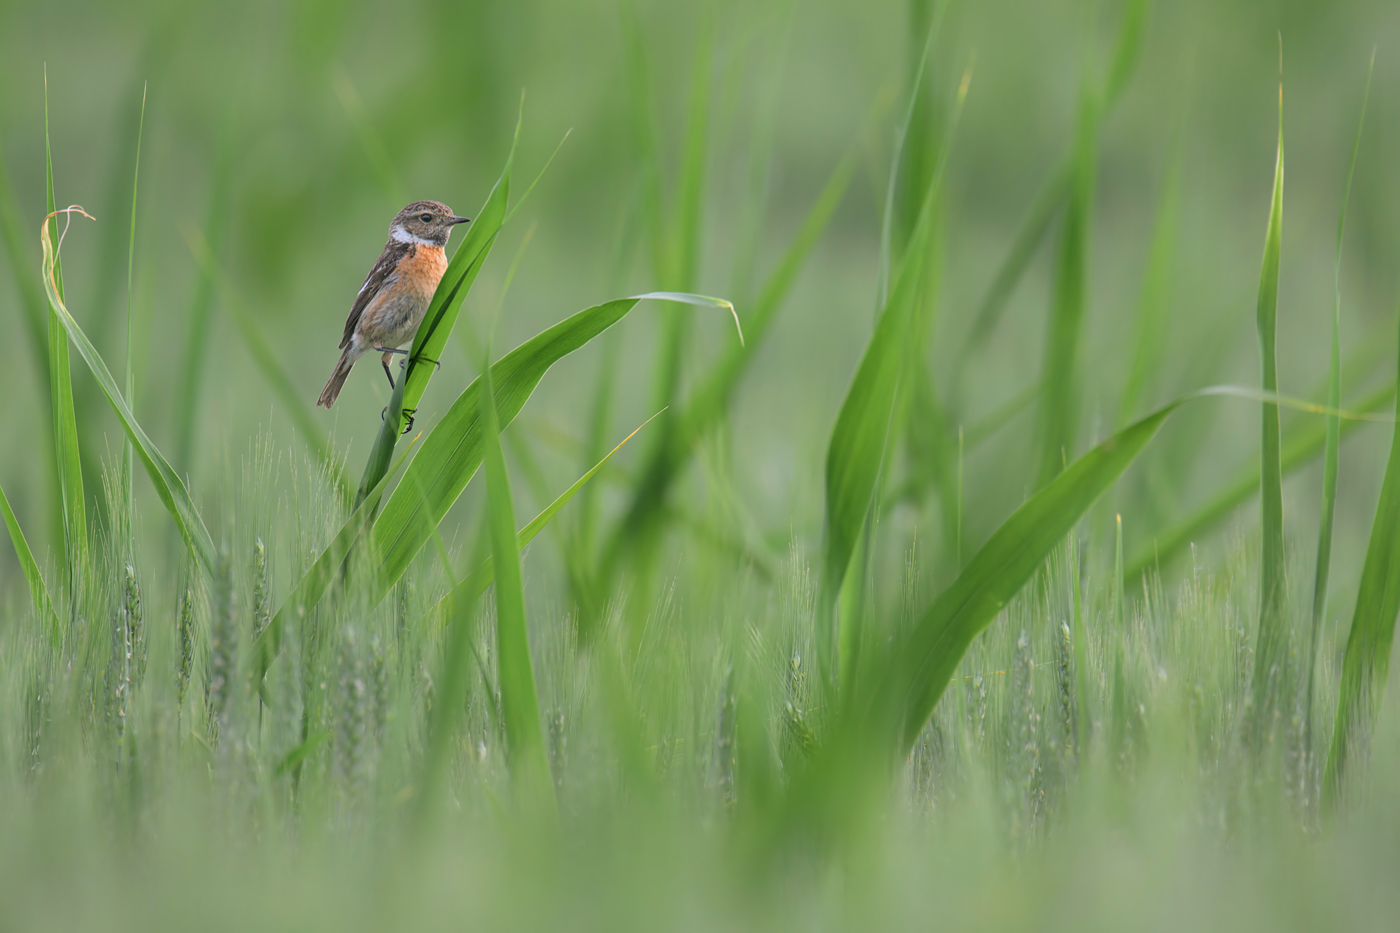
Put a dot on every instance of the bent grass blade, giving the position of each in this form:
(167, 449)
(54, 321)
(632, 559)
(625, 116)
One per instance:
(167, 482)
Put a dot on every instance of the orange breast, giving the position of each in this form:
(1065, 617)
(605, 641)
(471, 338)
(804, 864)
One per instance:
(423, 270)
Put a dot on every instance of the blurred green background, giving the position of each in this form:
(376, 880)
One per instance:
(335, 114)
(288, 134)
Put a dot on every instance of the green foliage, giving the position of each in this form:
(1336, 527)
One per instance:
(431, 339)
(167, 482)
(69, 478)
(1366, 664)
(1271, 645)
(520, 710)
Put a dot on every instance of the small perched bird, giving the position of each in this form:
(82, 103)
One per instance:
(396, 294)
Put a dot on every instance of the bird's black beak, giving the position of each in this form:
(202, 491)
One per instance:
(461, 220)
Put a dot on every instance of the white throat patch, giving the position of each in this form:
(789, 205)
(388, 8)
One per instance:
(400, 235)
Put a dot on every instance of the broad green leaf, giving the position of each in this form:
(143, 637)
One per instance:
(1333, 445)
(1271, 643)
(1366, 664)
(38, 591)
(167, 482)
(927, 657)
(520, 710)
(430, 341)
(860, 438)
(65, 423)
(452, 451)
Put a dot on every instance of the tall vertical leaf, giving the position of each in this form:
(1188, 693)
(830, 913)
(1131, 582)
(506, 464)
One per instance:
(515, 673)
(31, 303)
(1366, 664)
(1059, 394)
(1333, 444)
(67, 451)
(1271, 642)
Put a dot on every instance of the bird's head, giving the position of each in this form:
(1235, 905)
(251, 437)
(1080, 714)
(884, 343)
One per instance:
(428, 223)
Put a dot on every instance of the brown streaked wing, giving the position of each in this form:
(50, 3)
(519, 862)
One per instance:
(394, 253)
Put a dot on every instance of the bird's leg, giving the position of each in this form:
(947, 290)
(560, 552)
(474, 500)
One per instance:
(408, 414)
(388, 355)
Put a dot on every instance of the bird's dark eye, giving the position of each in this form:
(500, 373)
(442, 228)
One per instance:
(426, 218)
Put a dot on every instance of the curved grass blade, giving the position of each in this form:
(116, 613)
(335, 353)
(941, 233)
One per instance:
(167, 482)
(515, 673)
(65, 422)
(1271, 642)
(1331, 450)
(1298, 450)
(860, 438)
(1366, 664)
(38, 591)
(430, 341)
(452, 451)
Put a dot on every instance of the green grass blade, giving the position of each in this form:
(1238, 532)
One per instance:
(167, 482)
(68, 451)
(1149, 345)
(452, 451)
(430, 341)
(273, 372)
(856, 451)
(1018, 258)
(32, 304)
(1271, 642)
(860, 439)
(515, 672)
(1298, 450)
(927, 658)
(1333, 444)
(1056, 189)
(1366, 663)
(476, 583)
(313, 583)
(128, 454)
(38, 591)
(193, 363)
(709, 402)
(1059, 396)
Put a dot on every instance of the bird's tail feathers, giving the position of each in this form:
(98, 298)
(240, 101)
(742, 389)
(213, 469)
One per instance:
(337, 380)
